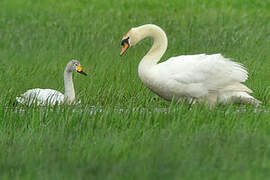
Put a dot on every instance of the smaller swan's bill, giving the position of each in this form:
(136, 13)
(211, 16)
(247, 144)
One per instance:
(204, 78)
(42, 97)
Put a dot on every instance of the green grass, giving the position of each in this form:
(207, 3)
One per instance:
(122, 130)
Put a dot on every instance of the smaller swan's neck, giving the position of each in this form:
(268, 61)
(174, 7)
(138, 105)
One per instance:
(159, 45)
(69, 95)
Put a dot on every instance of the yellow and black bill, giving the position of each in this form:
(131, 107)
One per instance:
(80, 70)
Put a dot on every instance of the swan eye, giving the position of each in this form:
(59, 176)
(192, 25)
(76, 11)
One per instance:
(124, 41)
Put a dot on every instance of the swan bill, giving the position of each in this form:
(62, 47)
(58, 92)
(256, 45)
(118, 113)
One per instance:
(80, 70)
(125, 45)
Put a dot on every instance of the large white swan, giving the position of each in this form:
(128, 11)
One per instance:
(205, 78)
(50, 96)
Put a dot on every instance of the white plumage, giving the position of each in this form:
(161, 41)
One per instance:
(203, 78)
(42, 97)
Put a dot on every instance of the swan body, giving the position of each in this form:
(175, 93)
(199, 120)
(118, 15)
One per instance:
(52, 97)
(41, 97)
(205, 78)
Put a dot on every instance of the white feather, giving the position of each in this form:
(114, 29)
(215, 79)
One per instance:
(208, 78)
(41, 97)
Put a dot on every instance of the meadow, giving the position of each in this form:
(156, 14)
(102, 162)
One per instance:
(122, 130)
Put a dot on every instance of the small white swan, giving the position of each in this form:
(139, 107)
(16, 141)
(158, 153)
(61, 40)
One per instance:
(203, 78)
(50, 96)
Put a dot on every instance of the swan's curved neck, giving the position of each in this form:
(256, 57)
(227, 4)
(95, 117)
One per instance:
(69, 95)
(159, 45)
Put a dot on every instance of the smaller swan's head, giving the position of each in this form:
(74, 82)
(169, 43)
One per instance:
(130, 39)
(75, 66)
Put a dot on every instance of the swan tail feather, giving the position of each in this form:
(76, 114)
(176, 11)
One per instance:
(238, 93)
(20, 100)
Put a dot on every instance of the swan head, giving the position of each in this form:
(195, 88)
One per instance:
(75, 66)
(130, 39)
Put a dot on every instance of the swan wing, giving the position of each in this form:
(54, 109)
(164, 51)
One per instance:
(41, 97)
(202, 73)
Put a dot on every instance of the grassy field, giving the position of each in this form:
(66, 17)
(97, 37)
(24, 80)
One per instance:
(122, 130)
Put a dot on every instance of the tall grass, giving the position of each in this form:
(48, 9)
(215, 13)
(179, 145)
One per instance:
(122, 130)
